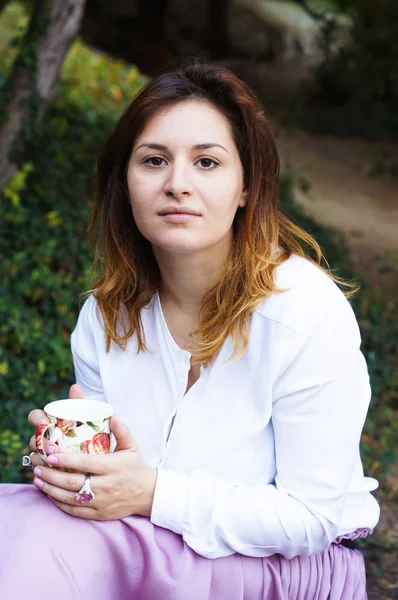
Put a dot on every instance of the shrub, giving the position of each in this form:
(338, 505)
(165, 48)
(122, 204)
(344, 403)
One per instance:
(44, 254)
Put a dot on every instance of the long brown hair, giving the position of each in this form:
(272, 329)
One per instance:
(127, 273)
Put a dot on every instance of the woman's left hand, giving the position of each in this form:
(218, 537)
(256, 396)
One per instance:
(122, 483)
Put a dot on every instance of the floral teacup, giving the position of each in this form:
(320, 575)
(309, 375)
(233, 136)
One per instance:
(80, 426)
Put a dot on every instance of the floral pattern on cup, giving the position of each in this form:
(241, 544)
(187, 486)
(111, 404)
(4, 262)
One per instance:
(75, 436)
(39, 437)
(99, 444)
(64, 425)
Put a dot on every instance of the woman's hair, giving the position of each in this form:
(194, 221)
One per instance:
(127, 274)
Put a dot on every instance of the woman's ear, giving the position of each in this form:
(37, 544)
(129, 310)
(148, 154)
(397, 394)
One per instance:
(243, 198)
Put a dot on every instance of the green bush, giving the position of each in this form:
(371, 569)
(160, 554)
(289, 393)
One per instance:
(45, 258)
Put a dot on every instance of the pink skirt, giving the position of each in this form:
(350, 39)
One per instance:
(47, 554)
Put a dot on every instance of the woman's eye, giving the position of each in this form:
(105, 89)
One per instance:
(154, 161)
(207, 163)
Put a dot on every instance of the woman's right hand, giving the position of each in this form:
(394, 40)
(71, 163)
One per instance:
(36, 417)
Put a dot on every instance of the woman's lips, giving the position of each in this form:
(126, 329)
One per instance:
(179, 217)
(178, 214)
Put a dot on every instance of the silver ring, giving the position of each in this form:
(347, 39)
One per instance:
(85, 494)
(27, 460)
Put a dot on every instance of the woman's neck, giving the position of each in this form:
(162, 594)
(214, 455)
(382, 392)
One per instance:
(187, 278)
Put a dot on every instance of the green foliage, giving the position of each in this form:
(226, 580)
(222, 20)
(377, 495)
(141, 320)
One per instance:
(10, 447)
(14, 21)
(90, 80)
(378, 320)
(355, 90)
(45, 258)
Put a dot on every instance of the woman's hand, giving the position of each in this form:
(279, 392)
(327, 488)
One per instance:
(122, 483)
(38, 417)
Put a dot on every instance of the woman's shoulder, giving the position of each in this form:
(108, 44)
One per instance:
(89, 319)
(309, 295)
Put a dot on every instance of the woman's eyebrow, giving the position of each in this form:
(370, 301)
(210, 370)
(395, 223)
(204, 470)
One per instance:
(162, 147)
(207, 146)
(152, 146)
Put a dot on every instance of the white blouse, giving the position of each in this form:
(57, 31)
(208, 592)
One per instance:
(261, 455)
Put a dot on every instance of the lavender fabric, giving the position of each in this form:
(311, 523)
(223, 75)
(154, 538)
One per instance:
(47, 554)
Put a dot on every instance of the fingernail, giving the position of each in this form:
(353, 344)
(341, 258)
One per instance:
(38, 472)
(41, 421)
(38, 482)
(52, 460)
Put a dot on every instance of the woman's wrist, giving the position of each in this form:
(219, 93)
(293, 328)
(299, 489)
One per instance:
(149, 492)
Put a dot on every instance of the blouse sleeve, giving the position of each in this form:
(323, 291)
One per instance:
(320, 403)
(84, 351)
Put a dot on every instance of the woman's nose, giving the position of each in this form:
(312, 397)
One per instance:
(177, 183)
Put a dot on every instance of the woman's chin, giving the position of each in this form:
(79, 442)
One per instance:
(180, 249)
(178, 243)
(185, 243)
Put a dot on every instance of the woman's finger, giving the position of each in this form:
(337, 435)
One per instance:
(55, 492)
(49, 447)
(37, 415)
(66, 482)
(76, 392)
(66, 496)
(81, 511)
(98, 464)
(36, 460)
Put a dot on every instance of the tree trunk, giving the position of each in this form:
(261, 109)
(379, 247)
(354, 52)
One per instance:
(64, 19)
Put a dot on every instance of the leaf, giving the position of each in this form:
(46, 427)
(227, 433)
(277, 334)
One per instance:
(4, 368)
(71, 433)
(93, 426)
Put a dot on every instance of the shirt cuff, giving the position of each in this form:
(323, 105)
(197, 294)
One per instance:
(170, 502)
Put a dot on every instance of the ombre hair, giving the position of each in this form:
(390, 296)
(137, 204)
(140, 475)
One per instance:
(127, 274)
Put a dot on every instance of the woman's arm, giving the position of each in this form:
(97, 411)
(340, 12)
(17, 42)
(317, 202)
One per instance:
(84, 354)
(319, 408)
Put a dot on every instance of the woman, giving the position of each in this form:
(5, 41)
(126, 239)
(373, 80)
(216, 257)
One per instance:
(231, 357)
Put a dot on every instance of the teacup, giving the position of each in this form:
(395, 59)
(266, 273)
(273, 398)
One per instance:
(79, 425)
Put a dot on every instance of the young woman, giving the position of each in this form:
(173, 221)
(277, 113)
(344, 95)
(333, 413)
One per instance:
(231, 357)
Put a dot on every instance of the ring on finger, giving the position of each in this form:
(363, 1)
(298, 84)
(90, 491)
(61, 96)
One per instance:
(27, 460)
(85, 494)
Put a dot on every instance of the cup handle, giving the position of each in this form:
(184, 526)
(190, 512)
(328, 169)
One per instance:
(40, 432)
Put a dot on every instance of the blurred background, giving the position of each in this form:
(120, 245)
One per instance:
(327, 73)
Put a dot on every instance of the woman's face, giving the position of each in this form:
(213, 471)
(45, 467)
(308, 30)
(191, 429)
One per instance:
(185, 179)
